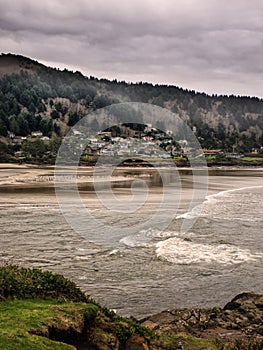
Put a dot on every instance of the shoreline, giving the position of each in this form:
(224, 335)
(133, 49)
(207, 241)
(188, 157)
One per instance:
(22, 175)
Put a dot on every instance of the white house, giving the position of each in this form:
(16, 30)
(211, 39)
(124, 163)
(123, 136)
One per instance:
(36, 133)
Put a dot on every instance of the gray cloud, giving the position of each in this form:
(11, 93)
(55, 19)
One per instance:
(207, 45)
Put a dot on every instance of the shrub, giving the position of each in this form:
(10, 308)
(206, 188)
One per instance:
(24, 283)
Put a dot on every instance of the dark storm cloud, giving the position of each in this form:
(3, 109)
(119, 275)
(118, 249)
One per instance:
(209, 45)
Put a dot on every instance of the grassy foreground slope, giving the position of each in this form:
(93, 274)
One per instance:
(28, 324)
(40, 310)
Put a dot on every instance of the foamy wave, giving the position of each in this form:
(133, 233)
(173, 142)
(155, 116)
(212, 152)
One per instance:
(144, 237)
(134, 241)
(113, 252)
(198, 211)
(226, 192)
(192, 214)
(179, 251)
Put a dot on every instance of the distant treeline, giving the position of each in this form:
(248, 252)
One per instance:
(38, 98)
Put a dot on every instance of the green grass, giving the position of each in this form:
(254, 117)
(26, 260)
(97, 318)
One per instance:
(32, 301)
(21, 319)
(38, 306)
(251, 159)
(210, 158)
(193, 343)
(189, 342)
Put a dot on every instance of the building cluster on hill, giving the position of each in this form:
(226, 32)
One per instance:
(149, 142)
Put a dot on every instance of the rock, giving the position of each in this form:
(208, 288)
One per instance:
(242, 315)
(150, 325)
(103, 341)
(163, 317)
(232, 305)
(136, 342)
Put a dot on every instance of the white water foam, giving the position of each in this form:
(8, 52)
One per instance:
(199, 209)
(179, 251)
(223, 193)
(141, 239)
(144, 237)
(193, 213)
(114, 252)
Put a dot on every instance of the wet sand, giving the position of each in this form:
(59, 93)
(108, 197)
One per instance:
(14, 177)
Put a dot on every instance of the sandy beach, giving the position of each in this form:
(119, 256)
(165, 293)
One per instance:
(25, 175)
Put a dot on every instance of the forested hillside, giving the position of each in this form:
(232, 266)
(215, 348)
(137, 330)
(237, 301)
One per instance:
(34, 97)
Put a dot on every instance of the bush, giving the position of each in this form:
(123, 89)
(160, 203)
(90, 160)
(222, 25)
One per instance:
(24, 283)
(91, 313)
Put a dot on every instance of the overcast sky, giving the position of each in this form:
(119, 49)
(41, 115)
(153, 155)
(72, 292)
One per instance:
(215, 46)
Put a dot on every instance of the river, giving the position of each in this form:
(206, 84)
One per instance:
(151, 270)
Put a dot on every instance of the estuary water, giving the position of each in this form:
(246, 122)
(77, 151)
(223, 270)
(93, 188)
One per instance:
(151, 270)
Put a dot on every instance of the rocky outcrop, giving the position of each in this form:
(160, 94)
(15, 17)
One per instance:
(240, 320)
(242, 317)
(62, 313)
(108, 331)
